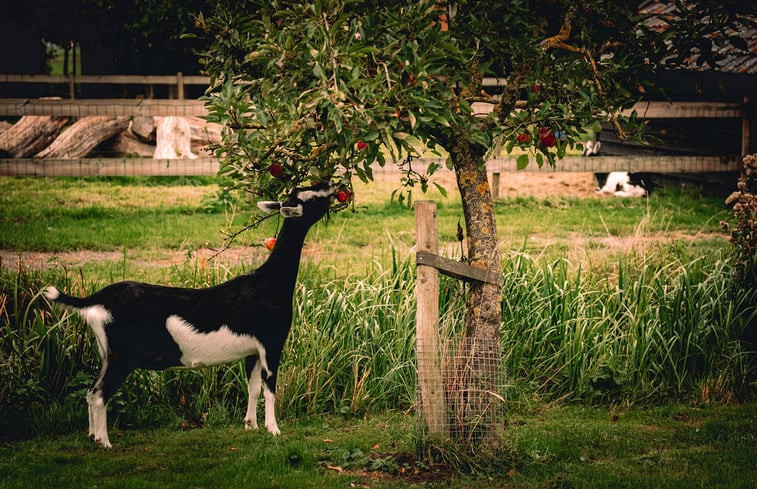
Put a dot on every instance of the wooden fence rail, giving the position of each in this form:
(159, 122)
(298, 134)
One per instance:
(179, 80)
(209, 166)
(110, 107)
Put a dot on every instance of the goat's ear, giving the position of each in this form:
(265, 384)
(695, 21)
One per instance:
(269, 205)
(292, 211)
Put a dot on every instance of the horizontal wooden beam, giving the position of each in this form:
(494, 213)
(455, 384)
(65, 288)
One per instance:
(108, 79)
(110, 107)
(209, 165)
(687, 110)
(107, 167)
(602, 164)
(662, 110)
(456, 269)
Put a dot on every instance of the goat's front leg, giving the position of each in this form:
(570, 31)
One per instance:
(254, 383)
(269, 392)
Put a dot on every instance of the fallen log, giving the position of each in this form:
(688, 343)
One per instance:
(30, 135)
(173, 139)
(144, 128)
(127, 144)
(86, 133)
(203, 132)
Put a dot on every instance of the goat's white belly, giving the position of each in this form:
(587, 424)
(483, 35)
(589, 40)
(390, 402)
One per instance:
(200, 349)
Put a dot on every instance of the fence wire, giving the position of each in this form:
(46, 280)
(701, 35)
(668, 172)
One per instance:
(472, 380)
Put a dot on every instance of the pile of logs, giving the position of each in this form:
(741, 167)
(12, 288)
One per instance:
(42, 136)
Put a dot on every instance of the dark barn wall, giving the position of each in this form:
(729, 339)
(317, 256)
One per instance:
(693, 136)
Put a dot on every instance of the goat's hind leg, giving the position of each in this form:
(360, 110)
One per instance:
(253, 368)
(111, 378)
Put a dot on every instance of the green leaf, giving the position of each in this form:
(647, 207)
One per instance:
(522, 161)
(539, 159)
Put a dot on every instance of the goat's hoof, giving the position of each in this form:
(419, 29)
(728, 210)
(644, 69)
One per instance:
(104, 443)
(274, 430)
(250, 425)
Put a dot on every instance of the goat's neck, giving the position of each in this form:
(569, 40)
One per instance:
(284, 261)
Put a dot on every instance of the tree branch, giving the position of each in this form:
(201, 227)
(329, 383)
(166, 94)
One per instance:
(559, 41)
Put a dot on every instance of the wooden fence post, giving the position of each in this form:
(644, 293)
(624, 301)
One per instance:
(495, 185)
(426, 328)
(180, 85)
(745, 130)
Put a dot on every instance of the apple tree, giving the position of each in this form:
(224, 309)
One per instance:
(325, 90)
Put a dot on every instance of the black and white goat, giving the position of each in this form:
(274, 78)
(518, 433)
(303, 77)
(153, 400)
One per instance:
(618, 183)
(139, 325)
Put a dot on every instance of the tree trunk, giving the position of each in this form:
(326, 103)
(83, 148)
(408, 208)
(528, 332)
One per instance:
(82, 137)
(30, 135)
(477, 359)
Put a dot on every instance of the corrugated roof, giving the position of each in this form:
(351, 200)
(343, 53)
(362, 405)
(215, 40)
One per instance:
(728, 58)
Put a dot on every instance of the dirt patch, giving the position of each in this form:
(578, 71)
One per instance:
(533, 184)
(401, 467)
(42, 260)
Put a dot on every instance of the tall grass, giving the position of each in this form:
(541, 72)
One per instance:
(638, 330)
(650, 329)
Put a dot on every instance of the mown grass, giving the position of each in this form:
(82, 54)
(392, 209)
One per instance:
(149, 217)
(671, 446)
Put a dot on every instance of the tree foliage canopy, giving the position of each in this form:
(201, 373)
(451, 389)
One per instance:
(314, 90)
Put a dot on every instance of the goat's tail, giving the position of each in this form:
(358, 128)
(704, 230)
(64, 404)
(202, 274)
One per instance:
(53, 294)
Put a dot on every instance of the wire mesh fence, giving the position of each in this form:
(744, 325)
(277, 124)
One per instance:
(473, 382)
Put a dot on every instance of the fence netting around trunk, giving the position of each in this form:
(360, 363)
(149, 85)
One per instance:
(470, 411)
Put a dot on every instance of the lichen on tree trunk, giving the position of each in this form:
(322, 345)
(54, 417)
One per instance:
(477, 363)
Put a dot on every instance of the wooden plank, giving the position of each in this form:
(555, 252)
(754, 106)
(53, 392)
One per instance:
(455, 269)
(209, 166)
(107, 79)
(430, 379)
(745, 131)
(662, 110)
(107, 167)
(605, 164)
(110, 107)
(680, 110)
(601, 164)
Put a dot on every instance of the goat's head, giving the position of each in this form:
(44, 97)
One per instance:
(308, 204)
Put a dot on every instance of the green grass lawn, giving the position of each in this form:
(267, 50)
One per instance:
(669, 446)
(149, 219)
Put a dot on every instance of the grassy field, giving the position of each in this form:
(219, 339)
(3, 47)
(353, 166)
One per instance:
(672, 446)
(161, 219)
(621, 341)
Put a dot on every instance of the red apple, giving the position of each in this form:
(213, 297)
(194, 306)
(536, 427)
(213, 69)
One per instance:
(524, 138)
(361, 145)
(548, 139)
(275, 170)
(343, 196)
(270, 243)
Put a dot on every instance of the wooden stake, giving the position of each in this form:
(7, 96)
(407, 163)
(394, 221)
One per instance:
(426, 328)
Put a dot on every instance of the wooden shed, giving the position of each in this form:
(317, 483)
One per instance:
(714, 130)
